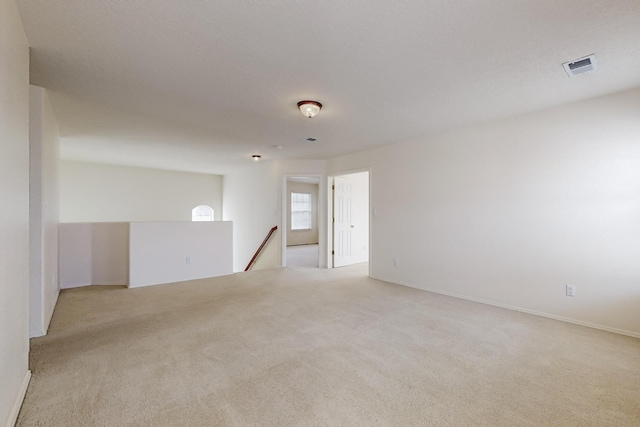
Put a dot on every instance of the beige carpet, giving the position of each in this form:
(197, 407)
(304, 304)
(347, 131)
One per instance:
(302, 256)
(314, 347)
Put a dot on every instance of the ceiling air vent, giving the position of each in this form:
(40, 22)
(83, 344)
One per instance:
(582, 65)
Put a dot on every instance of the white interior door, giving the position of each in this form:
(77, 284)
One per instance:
(342, 222)
(350, 219)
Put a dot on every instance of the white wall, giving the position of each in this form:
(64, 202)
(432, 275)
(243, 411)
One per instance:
(251, 201)
(145, 253)
(76, 257)
(43, 211)
(510, 212)
(94, 254)
(91, 192)
(14, 215)
(110, 253)
(302, 237)
(159, 251)
(254, 200)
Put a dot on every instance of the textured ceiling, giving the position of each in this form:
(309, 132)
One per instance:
(201, 85)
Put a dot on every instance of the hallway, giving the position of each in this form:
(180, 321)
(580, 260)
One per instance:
(302, 256)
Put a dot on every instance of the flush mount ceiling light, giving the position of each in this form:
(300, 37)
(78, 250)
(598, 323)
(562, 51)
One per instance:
(309, 108)
(256, 157)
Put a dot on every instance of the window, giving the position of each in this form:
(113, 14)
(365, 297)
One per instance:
(202, 213)
(300, 211)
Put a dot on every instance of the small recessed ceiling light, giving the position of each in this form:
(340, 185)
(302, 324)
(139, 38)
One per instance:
(309, 108)
(256, 157)
(278, 147)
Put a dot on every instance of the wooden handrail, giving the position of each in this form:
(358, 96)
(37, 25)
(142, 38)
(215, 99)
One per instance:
(264, 242)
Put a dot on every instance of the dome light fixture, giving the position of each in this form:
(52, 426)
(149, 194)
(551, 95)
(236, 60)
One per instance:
(256, 157)
(310, 109)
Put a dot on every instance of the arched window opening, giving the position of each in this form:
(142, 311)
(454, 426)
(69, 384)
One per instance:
(202, 213)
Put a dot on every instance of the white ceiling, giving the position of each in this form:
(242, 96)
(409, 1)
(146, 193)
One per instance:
(201, 85)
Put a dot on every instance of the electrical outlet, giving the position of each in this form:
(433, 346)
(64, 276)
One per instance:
(571, 290)
(395, 262)
(188, 260)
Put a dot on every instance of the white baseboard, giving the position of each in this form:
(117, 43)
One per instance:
(117, 283)
(15, 410)
(520, 309)
(47, 319)
(74, 285)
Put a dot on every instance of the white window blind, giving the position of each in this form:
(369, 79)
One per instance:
(300, 211)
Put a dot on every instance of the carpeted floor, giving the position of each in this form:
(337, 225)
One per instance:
(316, 347)
(302, 256)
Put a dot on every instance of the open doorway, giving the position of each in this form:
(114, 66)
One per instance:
(302, 225)
(349, 219)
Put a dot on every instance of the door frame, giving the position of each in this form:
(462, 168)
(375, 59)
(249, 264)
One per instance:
(329, 213)
(322, 242)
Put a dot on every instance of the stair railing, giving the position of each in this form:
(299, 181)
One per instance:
(264, 242)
